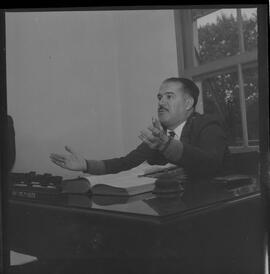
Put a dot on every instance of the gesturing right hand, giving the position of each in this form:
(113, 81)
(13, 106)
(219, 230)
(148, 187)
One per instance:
(73, 161)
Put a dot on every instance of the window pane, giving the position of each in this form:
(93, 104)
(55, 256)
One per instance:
(250, 76)
(197, 13)
(221, 97)
(218, 35)
(250, 29)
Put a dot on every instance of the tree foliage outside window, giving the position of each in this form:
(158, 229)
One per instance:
(250, 31)
(221, 39)
(251, 98)
(221, 92)
(218, 40)
(221, 97)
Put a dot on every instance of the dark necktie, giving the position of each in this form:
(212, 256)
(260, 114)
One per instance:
(171, 133)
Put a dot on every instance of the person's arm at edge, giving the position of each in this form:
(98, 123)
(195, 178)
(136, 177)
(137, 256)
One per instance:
(115, 165)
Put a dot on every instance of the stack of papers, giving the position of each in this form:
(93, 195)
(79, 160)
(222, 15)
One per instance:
(17, 258)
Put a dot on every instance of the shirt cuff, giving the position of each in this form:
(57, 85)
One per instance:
(95, 167)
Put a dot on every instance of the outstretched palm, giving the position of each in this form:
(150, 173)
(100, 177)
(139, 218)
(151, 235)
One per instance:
(72, 161)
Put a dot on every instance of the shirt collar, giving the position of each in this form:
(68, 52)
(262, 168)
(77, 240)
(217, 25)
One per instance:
(178, 131)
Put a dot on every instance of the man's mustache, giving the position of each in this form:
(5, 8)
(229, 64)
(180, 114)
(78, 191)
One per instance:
(161, 108)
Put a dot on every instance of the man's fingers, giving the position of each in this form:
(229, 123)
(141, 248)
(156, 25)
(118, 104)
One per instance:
(154, 131)
(70, 150)
(59, 163)
(148, 136)
(145, 140)
(57, 157)
(156, 123)
(143, 137)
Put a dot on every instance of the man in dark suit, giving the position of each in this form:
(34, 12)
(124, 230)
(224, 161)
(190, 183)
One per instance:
(179, 136)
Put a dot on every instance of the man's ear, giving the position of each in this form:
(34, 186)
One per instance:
(189, 102)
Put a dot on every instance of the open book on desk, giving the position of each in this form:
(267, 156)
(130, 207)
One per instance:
(109, 185)
(87, 201)
(126, 183)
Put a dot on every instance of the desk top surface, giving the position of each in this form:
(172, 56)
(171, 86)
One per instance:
(195, 196)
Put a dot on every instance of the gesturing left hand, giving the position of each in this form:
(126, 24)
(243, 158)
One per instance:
(155, 137)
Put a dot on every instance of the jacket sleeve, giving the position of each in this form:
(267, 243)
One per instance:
(203, 158)
(131, 160)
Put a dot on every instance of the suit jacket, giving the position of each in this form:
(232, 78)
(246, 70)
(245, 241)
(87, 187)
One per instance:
(204, 149)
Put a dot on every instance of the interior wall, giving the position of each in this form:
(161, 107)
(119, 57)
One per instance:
(87, 79)
(146, 56)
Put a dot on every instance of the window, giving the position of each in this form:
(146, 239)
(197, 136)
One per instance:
(217, 35)
(223, 61)
(251, 100)
(221, 97)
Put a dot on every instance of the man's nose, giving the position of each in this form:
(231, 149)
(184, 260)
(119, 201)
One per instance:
(162, 101)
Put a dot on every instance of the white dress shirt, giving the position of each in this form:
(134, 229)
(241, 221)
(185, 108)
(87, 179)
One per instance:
(178, 131)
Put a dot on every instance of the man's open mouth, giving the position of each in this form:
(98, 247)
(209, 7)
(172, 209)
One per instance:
(160, 110)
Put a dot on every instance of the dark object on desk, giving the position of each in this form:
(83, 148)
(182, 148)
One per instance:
(242, 163)
(234, 180)
(168, 184)
(76, 186)
(35, 186)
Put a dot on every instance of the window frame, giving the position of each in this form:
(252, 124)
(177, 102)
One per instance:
(186, 35)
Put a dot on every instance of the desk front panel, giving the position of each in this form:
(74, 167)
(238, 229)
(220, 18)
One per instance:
(194, 234)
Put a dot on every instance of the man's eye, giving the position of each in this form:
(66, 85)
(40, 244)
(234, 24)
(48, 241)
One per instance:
(169, 96)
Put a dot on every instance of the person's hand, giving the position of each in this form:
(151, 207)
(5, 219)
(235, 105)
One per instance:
(155, 137)
(73, 161)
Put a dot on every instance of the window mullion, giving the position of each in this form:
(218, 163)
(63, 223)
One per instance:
(242, 105)
(240, 31)
(240, 78)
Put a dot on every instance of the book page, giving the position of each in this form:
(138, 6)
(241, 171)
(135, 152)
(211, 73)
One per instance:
(120, 180)
(130, 177)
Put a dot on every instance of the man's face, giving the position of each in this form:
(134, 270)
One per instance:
(172, 104)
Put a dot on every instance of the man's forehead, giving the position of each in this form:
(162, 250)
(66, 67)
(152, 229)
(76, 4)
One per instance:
(170, 86)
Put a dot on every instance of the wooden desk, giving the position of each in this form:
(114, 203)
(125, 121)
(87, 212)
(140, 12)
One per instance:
(209, 228)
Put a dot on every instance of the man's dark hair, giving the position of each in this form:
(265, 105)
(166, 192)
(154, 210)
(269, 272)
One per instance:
(189, 86)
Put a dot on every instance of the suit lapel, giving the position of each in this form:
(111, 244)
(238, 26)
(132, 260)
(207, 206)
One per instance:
(186, 132)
